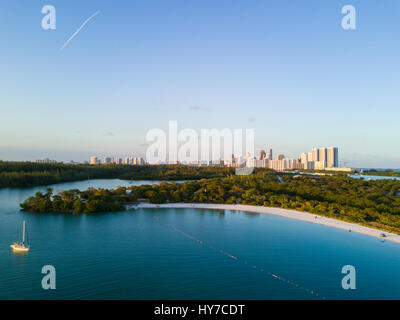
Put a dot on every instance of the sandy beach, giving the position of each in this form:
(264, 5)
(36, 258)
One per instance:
(291, 214)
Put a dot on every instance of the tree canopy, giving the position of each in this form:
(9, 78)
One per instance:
(27, 174)
(371, 203)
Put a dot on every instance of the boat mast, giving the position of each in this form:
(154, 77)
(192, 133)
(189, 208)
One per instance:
(23, 232)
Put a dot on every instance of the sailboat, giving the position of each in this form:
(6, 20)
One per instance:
(20, 246)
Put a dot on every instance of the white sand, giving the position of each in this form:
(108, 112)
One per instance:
(291, 214)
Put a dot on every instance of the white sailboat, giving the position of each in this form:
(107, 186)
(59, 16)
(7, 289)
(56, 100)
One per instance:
(20, 246)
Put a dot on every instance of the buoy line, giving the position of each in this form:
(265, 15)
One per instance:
(201, 242)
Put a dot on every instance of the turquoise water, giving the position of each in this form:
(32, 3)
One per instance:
(187, 254)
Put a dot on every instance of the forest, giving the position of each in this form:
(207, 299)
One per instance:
(29, 174)
(371, 203)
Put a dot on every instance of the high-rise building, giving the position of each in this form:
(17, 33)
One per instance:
(315, 155)
(93, 160)
(281, 165)
(304, 157)
(298, 164)
(47, 160)
(332, 160)
(319, 165)
(322, 155)
(259, 163)
(107, 160)
(327, 158)
(139, 161)
(269, 155)
(309, 165)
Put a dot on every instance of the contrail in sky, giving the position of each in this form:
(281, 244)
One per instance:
(79, 29)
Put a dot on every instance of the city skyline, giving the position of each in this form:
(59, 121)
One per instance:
(288, 70)
(329, 156)
(323, 158)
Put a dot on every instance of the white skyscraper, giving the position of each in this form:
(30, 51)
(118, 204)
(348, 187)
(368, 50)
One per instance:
(304, 158)
(93, 160)
(315, 155)
(332, 159)
(322, 155)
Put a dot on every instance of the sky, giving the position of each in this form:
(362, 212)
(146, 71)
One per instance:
(286, 69)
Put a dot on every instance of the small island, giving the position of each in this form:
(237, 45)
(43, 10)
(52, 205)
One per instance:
(374, 204)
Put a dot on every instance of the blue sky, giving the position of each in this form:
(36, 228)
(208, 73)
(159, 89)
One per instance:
(285, 68)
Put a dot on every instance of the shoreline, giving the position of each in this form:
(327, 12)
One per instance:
(286, 213)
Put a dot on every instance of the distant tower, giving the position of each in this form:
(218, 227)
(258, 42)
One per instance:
(315, 155)
(262, 155)
(322, 155)
(269, 156)
(303, 158)
(332, 157)
(93, 160)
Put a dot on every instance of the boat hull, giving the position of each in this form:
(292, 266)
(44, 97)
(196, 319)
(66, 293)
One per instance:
(19, 249)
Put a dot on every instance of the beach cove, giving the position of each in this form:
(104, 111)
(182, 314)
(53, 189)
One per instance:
(286, 213)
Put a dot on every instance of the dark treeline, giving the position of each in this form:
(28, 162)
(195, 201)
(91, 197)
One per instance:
(28, 174)
(75, 201)
(384, 173)
(371, 203)
(175, 172)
